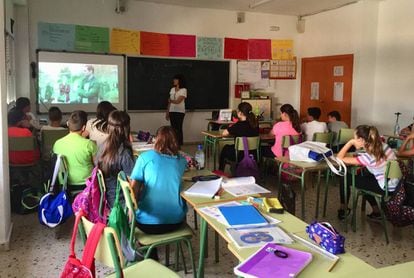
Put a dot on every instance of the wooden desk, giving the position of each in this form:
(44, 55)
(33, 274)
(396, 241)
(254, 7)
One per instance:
(348, 264)
(225, 124)
(304, 167)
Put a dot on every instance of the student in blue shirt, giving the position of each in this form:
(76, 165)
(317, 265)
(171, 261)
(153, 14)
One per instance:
(157, 174)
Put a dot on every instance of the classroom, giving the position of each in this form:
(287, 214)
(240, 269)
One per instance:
(375, 33)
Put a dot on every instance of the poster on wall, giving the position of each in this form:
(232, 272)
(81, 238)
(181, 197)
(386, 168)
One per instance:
(259, 49)
(282, 49)
(91, 39)
(338, 91)
(235, 49)
(56, 36)
(209, 48)
(314, 91)
(125, 41)
(155, 44)
(182, 45)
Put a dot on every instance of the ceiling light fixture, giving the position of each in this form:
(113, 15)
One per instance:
(258, 3)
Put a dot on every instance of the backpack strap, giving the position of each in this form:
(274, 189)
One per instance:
(245, 146)
(74, 233)
(91, 244)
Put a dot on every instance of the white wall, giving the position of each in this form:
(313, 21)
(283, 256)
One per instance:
(348, 30)
(167, 19)
(395, 64)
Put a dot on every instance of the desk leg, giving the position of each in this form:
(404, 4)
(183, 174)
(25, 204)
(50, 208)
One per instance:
(346, 203)
(325, 202)
(203, 246)
(302, 193)
(214, 153)
(318, 184)
(354, 201)
(279, 184)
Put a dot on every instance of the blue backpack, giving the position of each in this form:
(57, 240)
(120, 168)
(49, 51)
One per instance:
(247, 166)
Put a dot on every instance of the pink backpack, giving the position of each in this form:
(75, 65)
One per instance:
(91, 201)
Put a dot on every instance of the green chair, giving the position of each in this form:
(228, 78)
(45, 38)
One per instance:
(20, 144)
(392, 171)
(108, 252)
(150, 241)
(344, 135)
(48, 139)
(253, 145)
(324, 137)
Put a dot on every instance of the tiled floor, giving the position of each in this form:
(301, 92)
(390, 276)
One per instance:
(35, 252)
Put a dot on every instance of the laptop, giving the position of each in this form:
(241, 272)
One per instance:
(225, 115)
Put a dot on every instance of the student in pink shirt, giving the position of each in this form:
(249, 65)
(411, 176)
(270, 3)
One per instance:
(289, 125)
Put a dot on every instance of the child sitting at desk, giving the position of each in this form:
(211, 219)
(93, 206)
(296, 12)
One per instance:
(246, 126)
(289, 125)
(313, 125)
(407, 147)
(116, 153)
(375, 160)
(158, 172)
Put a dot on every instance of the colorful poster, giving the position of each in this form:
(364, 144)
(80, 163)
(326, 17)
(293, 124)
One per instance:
(182, 45)
(235, 49)
(155, 44)
(282, 49)
(56, 36)
(259, 49)
(209, 48)
(125, 41)
(91, 39)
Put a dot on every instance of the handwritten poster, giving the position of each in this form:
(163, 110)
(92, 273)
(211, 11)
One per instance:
(155, 44)
(338, 91)
(56, 36)
(259, 49)
(248, 72)
(91, 39)
(209, 48)
(182, 45)
(235, 49)
(282, 49)
(125, 41)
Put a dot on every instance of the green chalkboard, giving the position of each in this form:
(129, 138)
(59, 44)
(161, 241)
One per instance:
(150, 80)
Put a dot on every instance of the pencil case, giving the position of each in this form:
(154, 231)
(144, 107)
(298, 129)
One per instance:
(327, 237)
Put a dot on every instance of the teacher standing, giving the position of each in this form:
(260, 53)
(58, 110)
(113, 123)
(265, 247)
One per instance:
(176, 106)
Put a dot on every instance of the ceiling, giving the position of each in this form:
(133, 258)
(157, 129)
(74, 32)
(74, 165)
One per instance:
(281, 7)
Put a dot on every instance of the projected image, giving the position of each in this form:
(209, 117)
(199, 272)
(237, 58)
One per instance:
(76, 83)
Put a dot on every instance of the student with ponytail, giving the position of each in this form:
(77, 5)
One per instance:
(374, 159)
(289, 125)
(247, 126)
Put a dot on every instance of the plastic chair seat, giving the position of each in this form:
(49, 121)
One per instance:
(149, 239)
(147, 268)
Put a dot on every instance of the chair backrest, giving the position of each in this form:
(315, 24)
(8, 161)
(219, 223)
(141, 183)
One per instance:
(289, 140)
(22, 143)
(324, 137)
(344, 135)
(392, 171)
(252, 142)
(48, 139)
(109, 249)
(130, 203)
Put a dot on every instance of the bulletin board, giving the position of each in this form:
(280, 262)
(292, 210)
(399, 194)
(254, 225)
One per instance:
(283, 69)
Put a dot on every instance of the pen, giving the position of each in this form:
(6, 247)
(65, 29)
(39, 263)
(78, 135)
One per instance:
(218, 194)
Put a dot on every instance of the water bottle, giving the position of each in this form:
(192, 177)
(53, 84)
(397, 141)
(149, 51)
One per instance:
(397, 129)
(199, 157)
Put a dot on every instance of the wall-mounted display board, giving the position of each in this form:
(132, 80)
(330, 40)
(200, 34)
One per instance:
(150, 80)
(283, 69)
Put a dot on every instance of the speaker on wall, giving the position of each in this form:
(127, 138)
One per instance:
(240, 17)
(300, 25)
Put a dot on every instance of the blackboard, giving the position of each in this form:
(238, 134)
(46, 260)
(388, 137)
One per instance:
(150, 80)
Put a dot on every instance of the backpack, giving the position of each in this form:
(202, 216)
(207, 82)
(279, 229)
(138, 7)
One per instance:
(399, 208)
(24, 198)
(54, 206)
(247, 166)
(92, 200)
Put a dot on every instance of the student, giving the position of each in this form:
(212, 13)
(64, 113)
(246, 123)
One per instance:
(96, 129)
(55, 120)
(247, 126)
(407, 147)
(19, 127)
(176, 106)
(288, 126)
(23, 104)
(158, 172)
(374, 159)
(116, 153)
(79, 152)
(407, 130)
(89, 91)
(335, 124)
(313, 125)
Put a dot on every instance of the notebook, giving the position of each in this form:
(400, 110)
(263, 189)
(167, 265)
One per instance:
(242, 215)
(264, 263)
(204, 188)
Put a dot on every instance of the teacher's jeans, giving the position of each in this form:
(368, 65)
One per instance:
(177, 119)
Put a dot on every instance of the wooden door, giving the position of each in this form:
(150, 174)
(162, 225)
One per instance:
(327, 83)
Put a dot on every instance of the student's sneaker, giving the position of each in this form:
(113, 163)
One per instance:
(375, 216)
(342, 213)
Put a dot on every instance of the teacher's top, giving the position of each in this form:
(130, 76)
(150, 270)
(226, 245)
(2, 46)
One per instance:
(174, 95)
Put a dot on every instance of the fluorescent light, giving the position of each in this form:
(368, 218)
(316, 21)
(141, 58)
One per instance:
(258, 3)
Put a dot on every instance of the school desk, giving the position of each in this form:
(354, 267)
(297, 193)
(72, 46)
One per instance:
(303, 167)
(225, 124)
(319, 267)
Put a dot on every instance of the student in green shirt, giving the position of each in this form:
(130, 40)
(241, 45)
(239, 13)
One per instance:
(79, 152)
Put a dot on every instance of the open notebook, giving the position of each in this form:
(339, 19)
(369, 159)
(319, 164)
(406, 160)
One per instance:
(204, 188)
(243, 186)
(264, 263)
